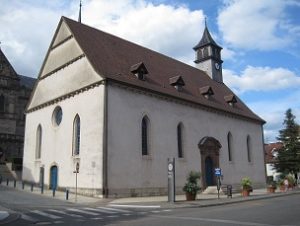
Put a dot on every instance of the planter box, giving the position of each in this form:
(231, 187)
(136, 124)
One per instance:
(245, 193)
(271, 189)
(190, 197)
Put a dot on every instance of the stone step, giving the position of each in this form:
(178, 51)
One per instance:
(212, 190)
(7, 173)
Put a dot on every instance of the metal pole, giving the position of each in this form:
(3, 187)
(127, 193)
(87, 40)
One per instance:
(67, 194)
(7, 181)
(76, 188)
(171, 180)
(23, 185)
(15, 183)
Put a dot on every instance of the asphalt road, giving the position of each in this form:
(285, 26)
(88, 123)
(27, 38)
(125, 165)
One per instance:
(38, 210)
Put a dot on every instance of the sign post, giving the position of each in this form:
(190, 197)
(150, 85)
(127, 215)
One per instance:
(218, 174)
(171, 179)
(76, 171)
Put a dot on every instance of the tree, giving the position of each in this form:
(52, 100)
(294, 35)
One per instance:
(288, 158)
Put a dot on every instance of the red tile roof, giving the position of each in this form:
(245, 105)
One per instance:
(269, 149)
(113, 57)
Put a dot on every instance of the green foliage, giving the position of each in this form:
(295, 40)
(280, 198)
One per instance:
(291, 179)
(246, 183)
(288, 158)
(191, 186)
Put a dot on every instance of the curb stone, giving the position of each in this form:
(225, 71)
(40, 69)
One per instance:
(11, 218)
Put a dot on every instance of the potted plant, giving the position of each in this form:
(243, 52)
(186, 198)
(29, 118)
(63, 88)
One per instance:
(271, 187)
(191, 187)
(291, 181)
(246, 186)
(281, 184)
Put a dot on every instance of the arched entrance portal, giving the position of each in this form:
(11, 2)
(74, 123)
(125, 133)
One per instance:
(209, 174)
(53, 177)
(209, 150)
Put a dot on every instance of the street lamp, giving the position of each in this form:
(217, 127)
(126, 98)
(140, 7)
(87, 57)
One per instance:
(76, 171)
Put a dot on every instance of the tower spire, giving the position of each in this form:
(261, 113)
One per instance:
(79, 17)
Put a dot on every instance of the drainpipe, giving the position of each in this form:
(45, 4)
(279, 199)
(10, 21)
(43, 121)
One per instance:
(264, 153)
(104, 143)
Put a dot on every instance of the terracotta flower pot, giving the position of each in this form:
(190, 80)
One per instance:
(271, 189)
(245, 192)
(190, 197)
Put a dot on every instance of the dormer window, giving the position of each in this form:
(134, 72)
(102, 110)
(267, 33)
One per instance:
(177, 82)
(230, 99)
(139, 70)
(206, 91)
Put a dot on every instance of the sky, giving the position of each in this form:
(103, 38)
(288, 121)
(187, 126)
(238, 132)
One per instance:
(260, 40)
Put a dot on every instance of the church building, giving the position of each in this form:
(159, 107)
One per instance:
(116, 111)
(15, 91)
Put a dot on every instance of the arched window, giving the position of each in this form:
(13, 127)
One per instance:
(179, 140)
(38, 148)
(2, 103)
(249, 148)
(76, 135)
(145, 135)
(229, 142)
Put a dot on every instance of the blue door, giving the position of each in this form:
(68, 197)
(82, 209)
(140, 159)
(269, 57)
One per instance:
(209, 176)
(53, 177)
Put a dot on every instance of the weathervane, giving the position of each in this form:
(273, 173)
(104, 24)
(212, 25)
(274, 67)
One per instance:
(79, 17)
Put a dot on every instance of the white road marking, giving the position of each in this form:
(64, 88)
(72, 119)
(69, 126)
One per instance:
(231, 222)
(82, 211)
(98, 210)
(113, 216)
(46, 214)
(97, 218)
(113, 209)
(28, 218)
(166, 210)
(64, 213)
(133, 206)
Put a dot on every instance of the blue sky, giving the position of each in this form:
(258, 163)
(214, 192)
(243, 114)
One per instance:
(260, 40)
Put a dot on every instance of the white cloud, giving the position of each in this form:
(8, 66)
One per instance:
(261, 79)
(273, 112)
(28, 26)
(172, 30)
(228, 54)
(26, 31)
(257, 24)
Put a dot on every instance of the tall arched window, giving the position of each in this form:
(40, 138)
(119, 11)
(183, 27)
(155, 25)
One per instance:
(76, 135)
(2, 103)
(145, 135)
(179, 140)
(249, 148)
(229, 142)
(38, 148)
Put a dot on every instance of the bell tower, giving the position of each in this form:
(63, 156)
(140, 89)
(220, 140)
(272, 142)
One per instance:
(208, 56)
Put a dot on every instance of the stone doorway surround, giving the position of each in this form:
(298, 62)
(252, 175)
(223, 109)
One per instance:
(209, 147)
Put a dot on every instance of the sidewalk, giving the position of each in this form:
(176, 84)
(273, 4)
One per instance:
(202, 200)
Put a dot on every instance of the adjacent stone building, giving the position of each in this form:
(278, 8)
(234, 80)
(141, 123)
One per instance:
(117, 111)
(15, 91)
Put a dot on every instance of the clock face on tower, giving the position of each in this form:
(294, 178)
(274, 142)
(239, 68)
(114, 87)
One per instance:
(217, 66)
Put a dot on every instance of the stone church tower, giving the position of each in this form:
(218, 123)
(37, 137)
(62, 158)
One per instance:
(208, 56)
(15, 91)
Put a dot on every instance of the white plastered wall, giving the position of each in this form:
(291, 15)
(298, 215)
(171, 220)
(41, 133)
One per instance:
(128, 169)
(57, 141)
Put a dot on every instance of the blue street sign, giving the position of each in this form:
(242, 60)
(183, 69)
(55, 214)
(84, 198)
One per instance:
(218, 171)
